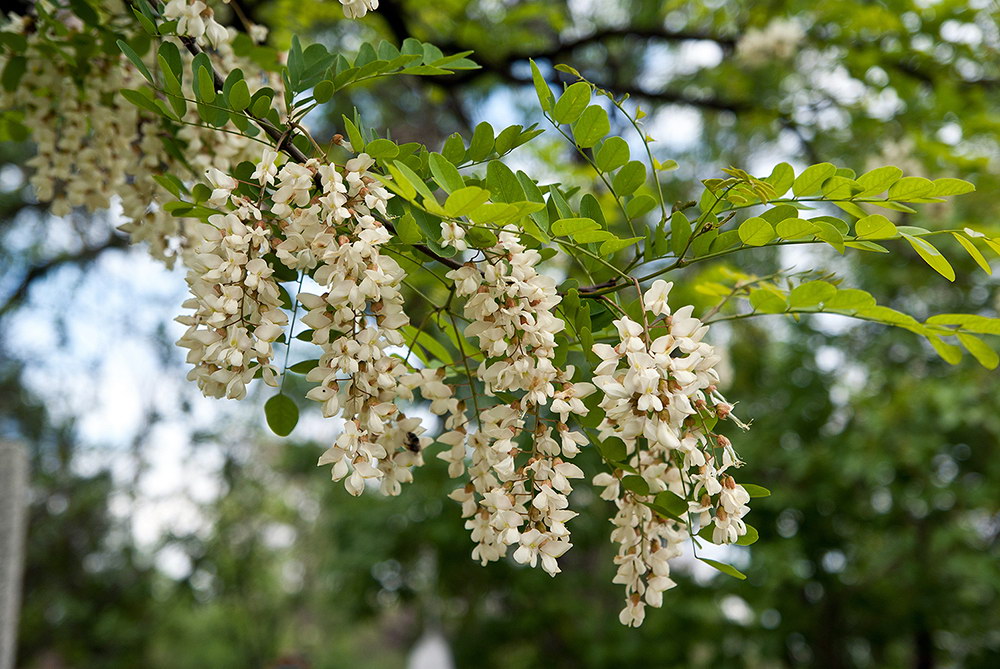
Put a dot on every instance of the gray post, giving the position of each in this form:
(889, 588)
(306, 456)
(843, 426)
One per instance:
(13, 517)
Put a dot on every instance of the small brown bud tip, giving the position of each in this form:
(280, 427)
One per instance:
(723, 410)
(723, 441)
(729, 482)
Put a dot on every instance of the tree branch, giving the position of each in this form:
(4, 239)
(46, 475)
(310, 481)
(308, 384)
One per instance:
(40, 270)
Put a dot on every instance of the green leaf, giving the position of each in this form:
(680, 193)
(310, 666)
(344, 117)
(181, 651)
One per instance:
(635, 483)
(974, 252)
(613, 449)
(83, 9)
(206, 85)
(878, 180)
(810, 294)
(454, 149)
(726, 569)
(571, 103)
(445, 173)
(756, 231)
(949, 352)
(756, 490)
(414, 180)
(672, 503)
(640, 205)
(749, 538)
(570, 226)
(591, 127)
(464, 200)
(407, 230)
(282, 415)
(482, 142)
(134, 57)
(680, 232)
(13, 71)
(542, 89)
(849, 299)
(141, 100)
(948, 187)
(795, 228)
(986, 356)
(931, 256)
(812, 178)
(304, 367)
(239, 95)
(767, 302)
(875, 226)
(502, 183)
(382, 149)
(613, 154)
(629, 178)
(353, 134)
(908, 189)
(781, 178)
(615, 245)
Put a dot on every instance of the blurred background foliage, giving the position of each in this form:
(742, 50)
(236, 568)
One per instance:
(878, 548)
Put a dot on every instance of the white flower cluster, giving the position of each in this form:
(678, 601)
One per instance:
(355, 9)
(778, 40)
(324, 216)
(196, 19)
(94, 148)
(660, 399)
(520, 479)
(237, 305)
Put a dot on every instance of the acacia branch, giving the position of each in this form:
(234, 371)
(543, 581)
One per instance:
(284, 142)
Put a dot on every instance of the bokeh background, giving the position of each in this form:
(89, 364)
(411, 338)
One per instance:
(168, 530)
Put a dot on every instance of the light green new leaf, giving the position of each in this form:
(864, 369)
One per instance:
(591, 127)
(571, 103)
(947, 187)
(767, 301)
(812, 178)
(756, 231)
(849, 299)
(629, 178)
(756, 490)
(986, 356)
(875, 226)
(931, 256)
(612, 246)
(781, 179)
(795, 228)
(878, 180)
(613, 154)
(407, 230)
(464, 200)
(680, 232)
(570, 226)
(908, 189)
(445, 173)
(382, 149)
(727, 569)
(974, 252)
(542, 89)
(949, 352)
(811, 293)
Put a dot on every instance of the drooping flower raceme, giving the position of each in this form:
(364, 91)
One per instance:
(660, 399)
(520, 474)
